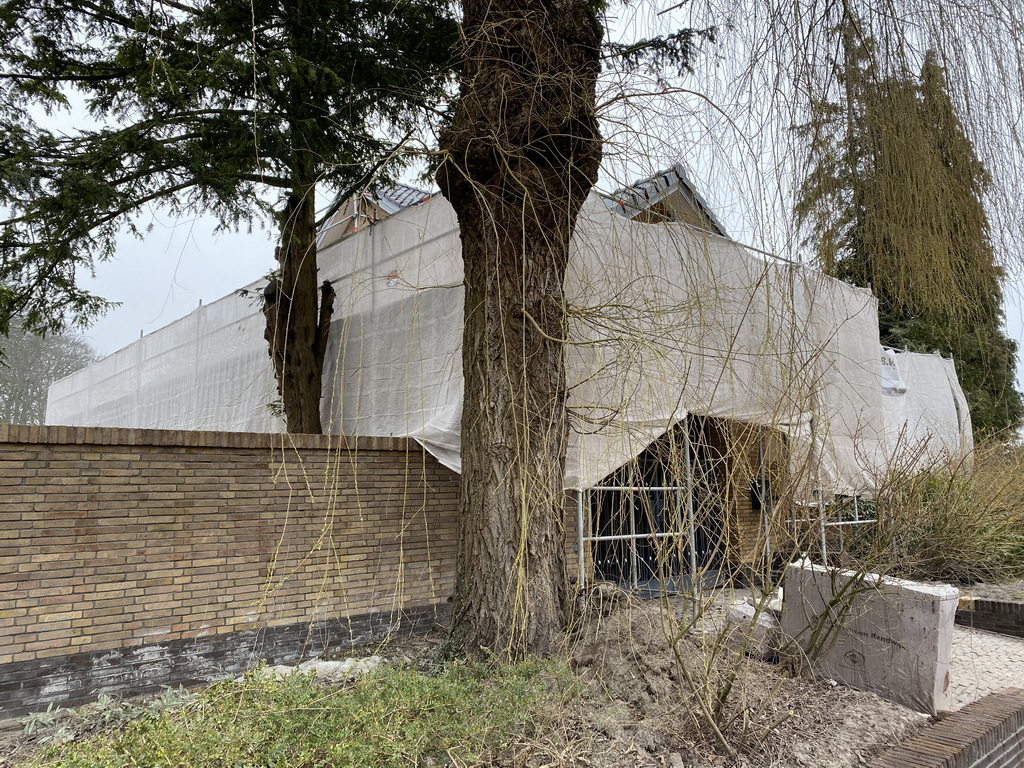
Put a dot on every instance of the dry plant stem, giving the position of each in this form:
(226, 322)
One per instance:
(770, 728)
(715, 688)
(522, 153)
(707, 716)
(731, 677)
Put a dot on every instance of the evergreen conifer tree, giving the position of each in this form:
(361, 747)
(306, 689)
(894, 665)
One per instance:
(239, 109)
(894, 200)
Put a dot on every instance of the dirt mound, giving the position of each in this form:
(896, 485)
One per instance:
(654, 695)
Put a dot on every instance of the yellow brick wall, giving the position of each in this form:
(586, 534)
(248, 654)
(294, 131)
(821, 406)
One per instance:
(115, 537)
(737, 446)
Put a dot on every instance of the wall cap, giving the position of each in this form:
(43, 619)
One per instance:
(65, 435)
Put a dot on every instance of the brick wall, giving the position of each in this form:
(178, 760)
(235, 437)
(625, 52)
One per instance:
(741, 448)
(141, 547)
(986, 734)
(1002, 616)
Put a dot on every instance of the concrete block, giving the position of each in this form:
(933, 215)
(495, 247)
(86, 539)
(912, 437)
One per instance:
(889, 636)
(762, 629)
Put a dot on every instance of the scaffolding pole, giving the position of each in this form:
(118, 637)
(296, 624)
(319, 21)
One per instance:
(764, 498)
(579, 539)
(633, 561)
(690, 530)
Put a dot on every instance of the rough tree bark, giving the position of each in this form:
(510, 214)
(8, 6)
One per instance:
(298, 315)
(522, 153)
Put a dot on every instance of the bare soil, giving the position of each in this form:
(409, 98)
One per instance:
(640, 708)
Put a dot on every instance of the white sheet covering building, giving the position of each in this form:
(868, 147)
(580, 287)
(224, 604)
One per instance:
(668, 317)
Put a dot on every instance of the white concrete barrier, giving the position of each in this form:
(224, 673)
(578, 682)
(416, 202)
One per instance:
(889, 636)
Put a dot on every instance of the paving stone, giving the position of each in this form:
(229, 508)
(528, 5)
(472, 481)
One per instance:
(983, 662)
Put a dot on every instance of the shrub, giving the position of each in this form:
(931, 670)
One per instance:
(961, 521)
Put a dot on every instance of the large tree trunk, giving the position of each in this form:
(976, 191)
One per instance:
(298, 315)
(522, 154)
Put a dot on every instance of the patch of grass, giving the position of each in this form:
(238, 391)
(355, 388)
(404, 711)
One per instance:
(395, 717)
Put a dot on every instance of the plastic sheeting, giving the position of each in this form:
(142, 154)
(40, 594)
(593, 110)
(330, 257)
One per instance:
(927, 418)
(665, 320)
(689, 322)
(204, 371)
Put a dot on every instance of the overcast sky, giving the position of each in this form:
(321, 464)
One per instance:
(166, 275)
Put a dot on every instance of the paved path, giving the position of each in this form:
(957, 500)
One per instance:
(983, 662)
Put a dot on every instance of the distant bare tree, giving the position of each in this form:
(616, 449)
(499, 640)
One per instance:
(29, 364)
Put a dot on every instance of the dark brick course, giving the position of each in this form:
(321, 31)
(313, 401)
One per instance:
(986, 734)
(73, 679)
(1004, 617)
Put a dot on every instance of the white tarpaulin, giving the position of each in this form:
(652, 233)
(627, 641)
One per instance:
(665, 320)
(929, 419)
(690, 322)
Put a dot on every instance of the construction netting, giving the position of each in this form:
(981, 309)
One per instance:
(665, 320)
